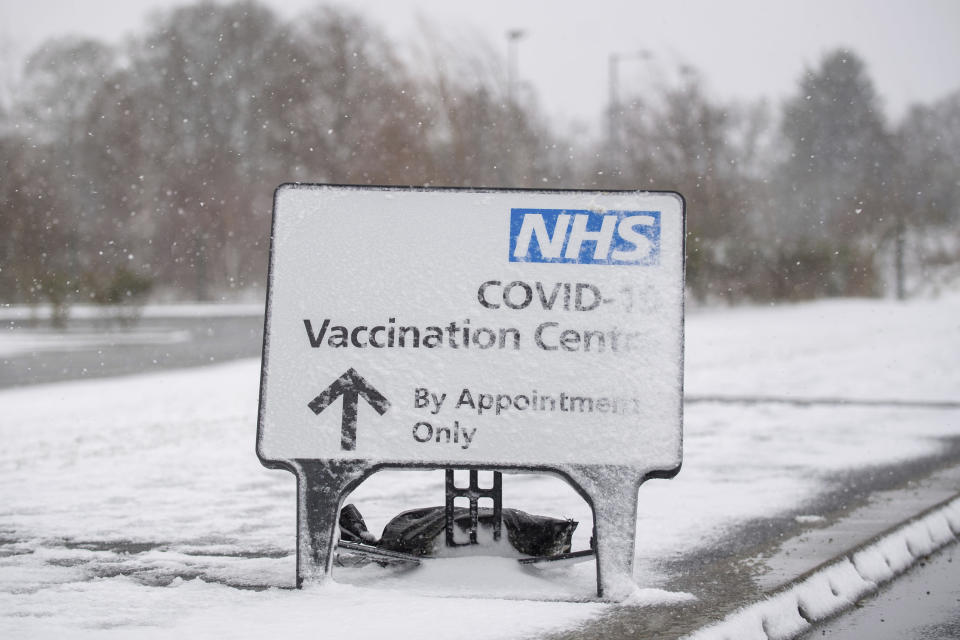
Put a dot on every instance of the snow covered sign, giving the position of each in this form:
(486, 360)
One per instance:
(499, 329)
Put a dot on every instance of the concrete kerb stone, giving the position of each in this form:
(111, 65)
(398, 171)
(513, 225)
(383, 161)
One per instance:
(940, 530)
(871, 564)
(837, 585)
(952, 516)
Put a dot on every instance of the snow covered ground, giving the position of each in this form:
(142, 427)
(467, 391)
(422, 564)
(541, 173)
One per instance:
(136, 507)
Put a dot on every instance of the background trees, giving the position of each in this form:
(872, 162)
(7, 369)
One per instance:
(840, 152)
(928, 141)
(835, 190)
(154, 164)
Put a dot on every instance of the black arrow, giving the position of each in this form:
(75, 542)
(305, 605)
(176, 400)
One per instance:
(351, 386)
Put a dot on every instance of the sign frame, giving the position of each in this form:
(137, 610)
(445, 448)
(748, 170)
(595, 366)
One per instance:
(323, 484)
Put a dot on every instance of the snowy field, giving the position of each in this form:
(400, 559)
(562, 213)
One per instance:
(136, 507)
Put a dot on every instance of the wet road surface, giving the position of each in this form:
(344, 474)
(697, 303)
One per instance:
(923, 604)
(763, 555)
(87, 349)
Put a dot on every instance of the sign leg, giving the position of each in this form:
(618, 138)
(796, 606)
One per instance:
(613, 491)
(321, 488)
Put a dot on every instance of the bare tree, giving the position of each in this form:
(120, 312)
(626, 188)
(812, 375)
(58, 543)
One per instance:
(54, 190)
(929, 142)
(208, 85)
(680, 139)
(480, 135)
(361, 120)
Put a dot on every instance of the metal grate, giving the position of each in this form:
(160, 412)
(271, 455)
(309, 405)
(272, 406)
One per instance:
(473, 492)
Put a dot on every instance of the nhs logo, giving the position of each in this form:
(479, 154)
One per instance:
(585, 237)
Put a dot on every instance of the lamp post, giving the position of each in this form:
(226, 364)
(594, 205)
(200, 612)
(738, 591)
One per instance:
(613, 116)
(513, 37)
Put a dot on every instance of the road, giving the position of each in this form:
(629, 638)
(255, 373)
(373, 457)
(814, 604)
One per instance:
(762, 555)
(86, 350)
(924, 604)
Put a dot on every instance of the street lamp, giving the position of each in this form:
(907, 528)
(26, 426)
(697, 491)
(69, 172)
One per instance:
(613, 119)
(513, 36)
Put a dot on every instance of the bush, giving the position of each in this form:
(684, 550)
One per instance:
(124, 292)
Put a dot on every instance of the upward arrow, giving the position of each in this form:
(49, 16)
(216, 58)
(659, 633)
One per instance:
(351, 386)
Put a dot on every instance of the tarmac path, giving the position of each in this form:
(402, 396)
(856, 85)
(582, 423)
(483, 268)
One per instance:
(87, 349)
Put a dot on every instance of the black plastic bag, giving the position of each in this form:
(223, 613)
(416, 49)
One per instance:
(420, 532)
(353, 528)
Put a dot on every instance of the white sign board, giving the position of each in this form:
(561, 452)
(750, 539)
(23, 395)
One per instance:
(453, 327)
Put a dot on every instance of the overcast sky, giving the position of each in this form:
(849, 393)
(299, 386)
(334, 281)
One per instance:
(746, 49)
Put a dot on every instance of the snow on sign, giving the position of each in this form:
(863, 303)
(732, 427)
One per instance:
(505, 329)
(486, 327)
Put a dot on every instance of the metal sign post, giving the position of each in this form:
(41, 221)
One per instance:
(511, 330)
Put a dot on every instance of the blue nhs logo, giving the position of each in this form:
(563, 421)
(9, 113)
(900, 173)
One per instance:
(585, 237)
